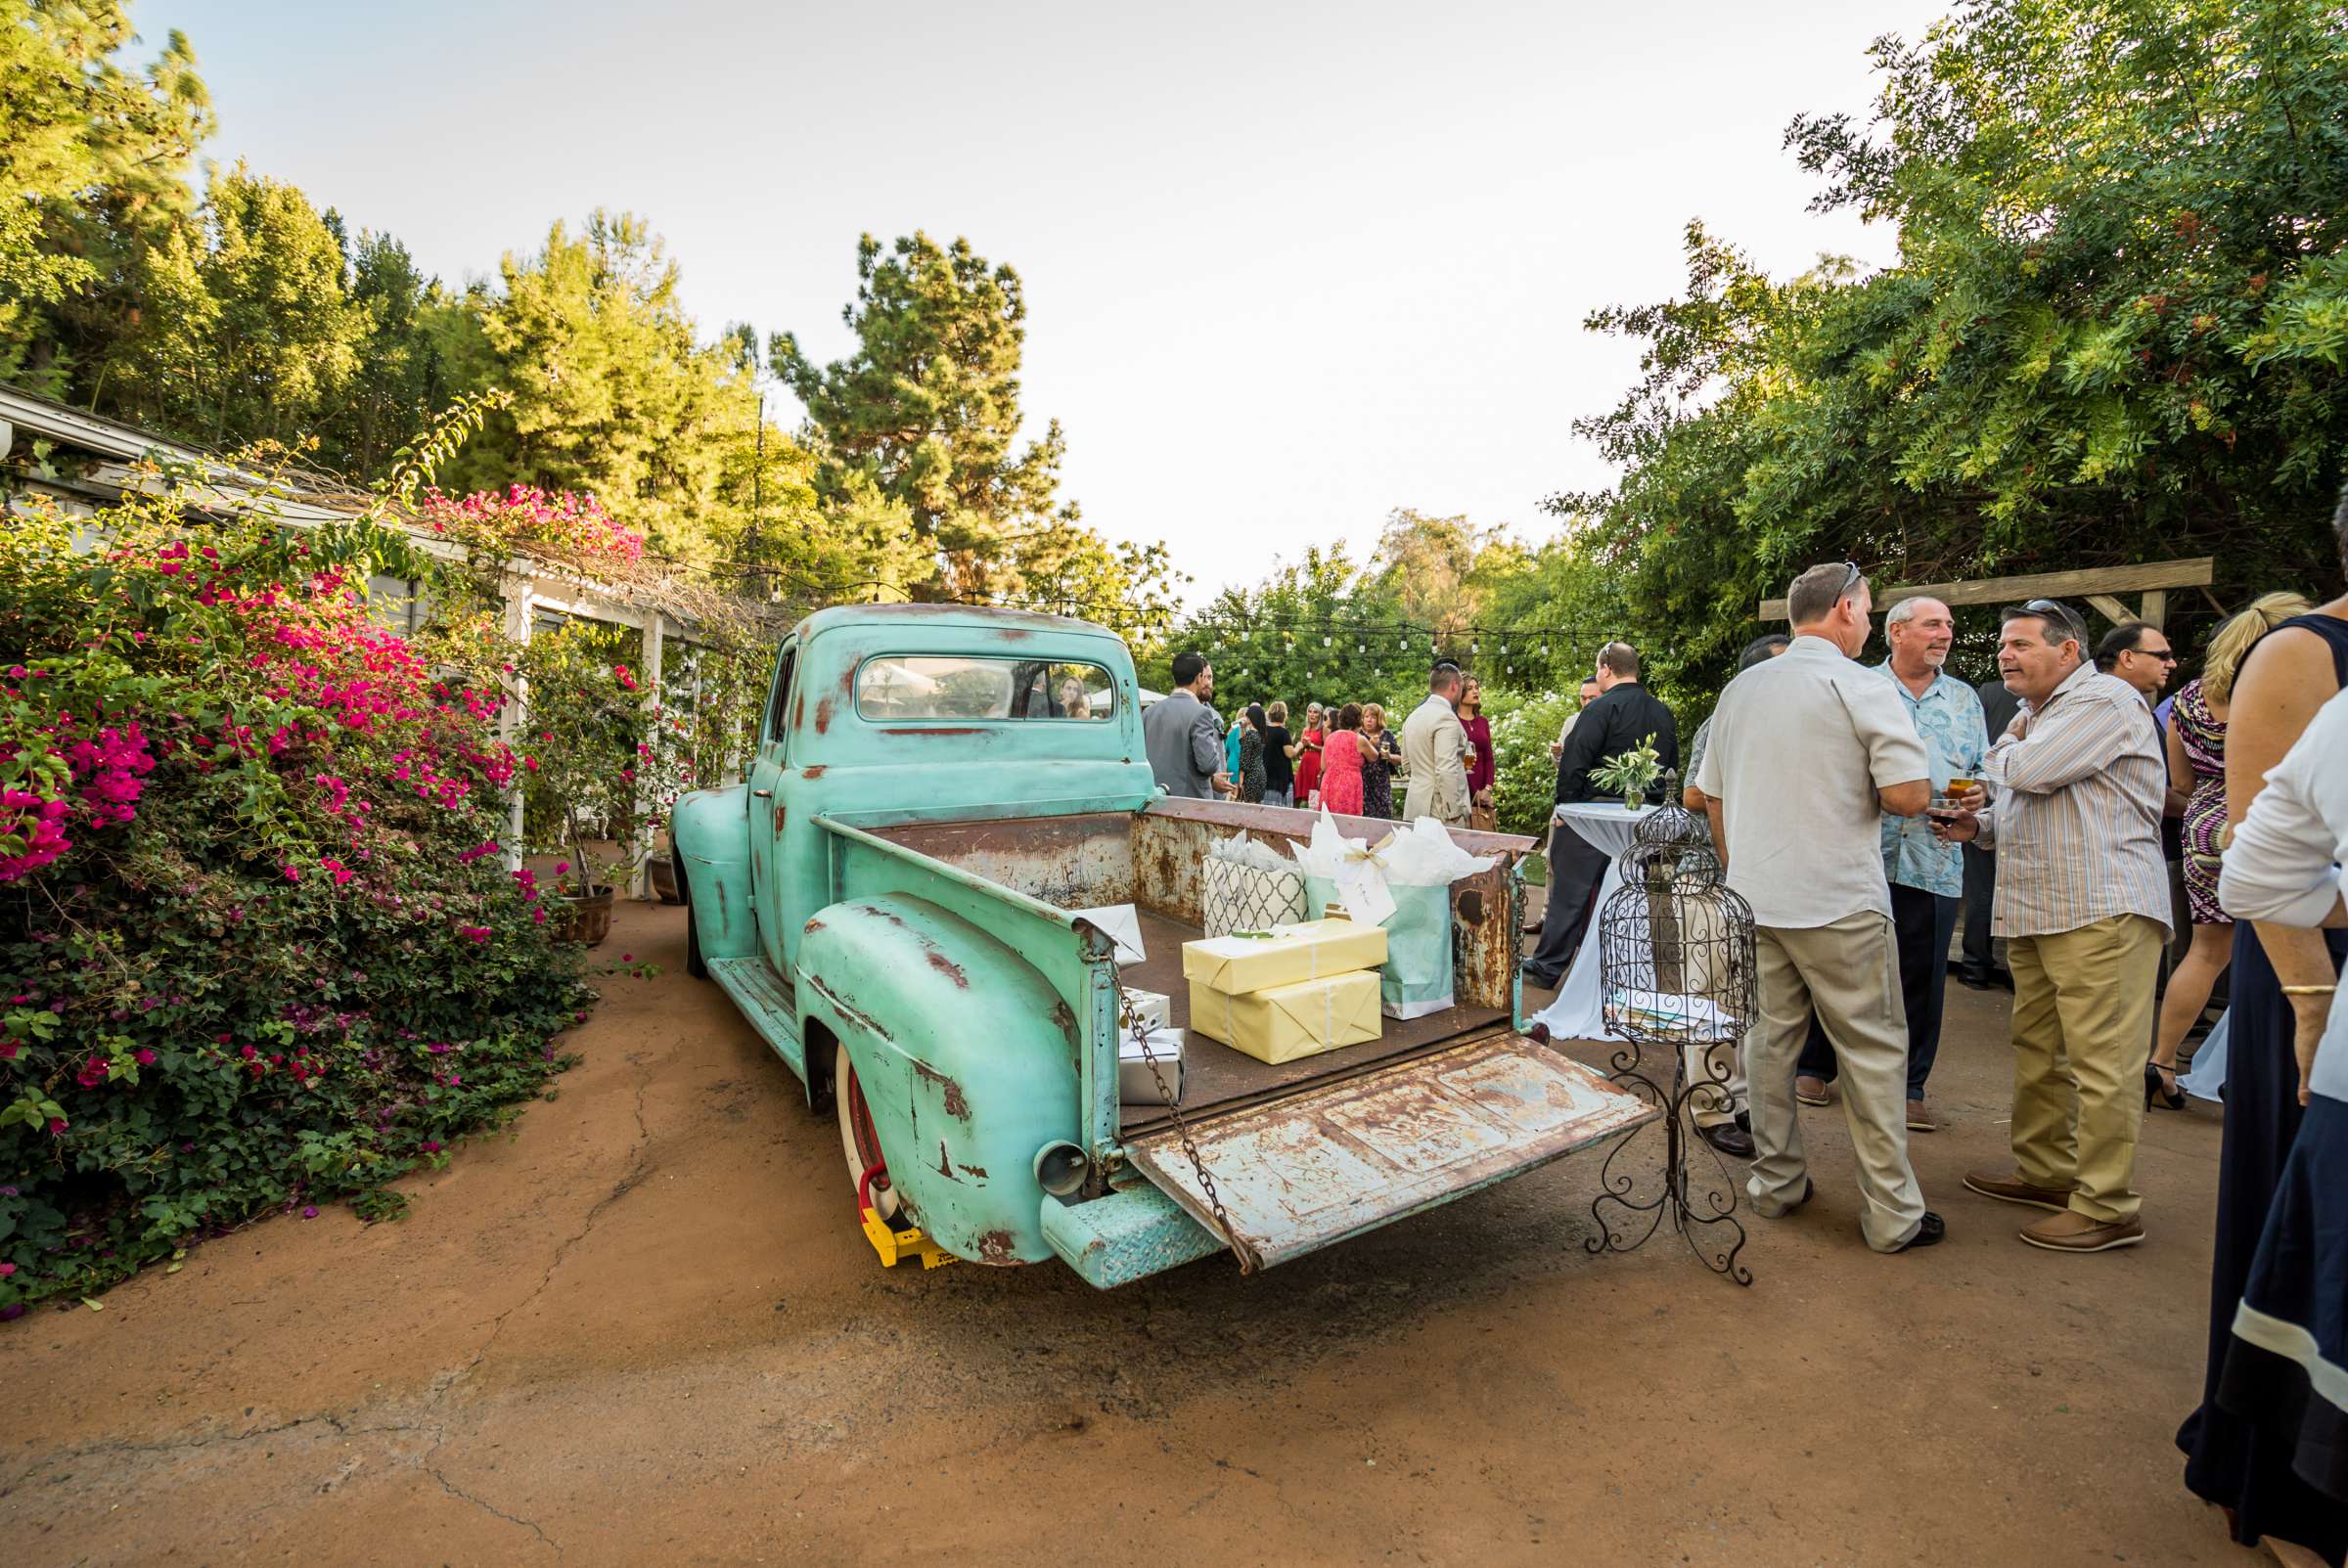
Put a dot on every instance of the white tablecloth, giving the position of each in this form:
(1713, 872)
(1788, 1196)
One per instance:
(1579, 1012)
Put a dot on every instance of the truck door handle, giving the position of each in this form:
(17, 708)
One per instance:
(763, 795)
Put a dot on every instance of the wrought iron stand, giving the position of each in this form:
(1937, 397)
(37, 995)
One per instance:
(1678, 966)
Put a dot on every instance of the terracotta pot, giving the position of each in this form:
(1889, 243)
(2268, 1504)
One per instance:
(663, 872)
(586, 920)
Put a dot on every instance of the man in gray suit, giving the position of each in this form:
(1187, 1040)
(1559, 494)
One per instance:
(1184, 735)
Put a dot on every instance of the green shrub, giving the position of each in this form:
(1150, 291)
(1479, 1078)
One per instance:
(257, 947)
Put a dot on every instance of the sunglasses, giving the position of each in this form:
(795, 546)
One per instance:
(1850, 574)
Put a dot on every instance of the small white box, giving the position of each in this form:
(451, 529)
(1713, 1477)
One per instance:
(1151, 1007)
(1136, 1085)
(1123, 923)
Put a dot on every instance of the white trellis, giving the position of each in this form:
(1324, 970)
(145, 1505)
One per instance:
(106, 461)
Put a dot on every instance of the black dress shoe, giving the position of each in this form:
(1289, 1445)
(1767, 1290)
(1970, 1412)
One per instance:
(2002, 979)
(1730, 1138)
(1975, 976)
(1929, 1233)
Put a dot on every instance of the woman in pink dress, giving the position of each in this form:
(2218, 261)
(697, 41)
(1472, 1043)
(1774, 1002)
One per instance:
(1342, 755)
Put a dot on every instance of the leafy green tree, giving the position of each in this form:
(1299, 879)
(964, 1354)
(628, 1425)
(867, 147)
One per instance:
(93, 158)
(928, 407)
(613, 394)
(2115, 330)
(1441, 571)
(245, 329)
(402, 377)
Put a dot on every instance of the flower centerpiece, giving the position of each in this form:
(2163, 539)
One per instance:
(1631, 772)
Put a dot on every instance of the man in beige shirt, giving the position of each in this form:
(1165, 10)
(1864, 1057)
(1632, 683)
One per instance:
(1808, 751)
(1434, 751)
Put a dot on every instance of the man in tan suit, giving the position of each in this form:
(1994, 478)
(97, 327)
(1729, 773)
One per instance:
(1434, 750)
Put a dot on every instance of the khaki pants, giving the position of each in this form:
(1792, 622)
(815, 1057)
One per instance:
(1848, 973)
(2082, 1013)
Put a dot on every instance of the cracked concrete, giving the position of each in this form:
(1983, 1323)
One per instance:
(643, 1328)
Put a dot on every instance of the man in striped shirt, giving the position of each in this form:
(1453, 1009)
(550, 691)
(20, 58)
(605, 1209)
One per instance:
(2081, 899)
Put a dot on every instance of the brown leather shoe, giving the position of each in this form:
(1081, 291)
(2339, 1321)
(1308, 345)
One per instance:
(1920, 1119)
(2073, 1231)
(2014, 1190)
(1810, 1091)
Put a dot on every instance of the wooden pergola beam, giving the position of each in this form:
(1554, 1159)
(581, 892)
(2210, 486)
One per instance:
(2091, 583)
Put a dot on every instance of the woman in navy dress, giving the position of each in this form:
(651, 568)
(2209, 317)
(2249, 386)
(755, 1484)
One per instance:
(2245, 1466)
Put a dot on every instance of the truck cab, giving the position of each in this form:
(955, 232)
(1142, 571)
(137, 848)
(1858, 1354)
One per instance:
(892, 897)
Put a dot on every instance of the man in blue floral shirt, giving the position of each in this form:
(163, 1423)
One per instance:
(1926, 874)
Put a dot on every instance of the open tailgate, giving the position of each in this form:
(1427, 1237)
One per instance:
(1335, 1159)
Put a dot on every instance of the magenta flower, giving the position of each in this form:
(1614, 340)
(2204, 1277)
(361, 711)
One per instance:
(310, 1212)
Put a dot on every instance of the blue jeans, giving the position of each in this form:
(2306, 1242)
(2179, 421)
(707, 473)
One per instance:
(1281, 798)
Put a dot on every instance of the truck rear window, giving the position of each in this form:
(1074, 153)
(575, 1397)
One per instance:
(956, 686)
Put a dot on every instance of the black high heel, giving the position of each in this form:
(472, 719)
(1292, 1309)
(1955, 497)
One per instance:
(2156, 1084)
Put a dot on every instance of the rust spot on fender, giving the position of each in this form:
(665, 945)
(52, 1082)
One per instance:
(945, 1162)
(998, 1247)
(1065, 1016)
(813, 926)
(979, 1171)
(822, 716)
(781, 811)
(948, 968)
(815, 771)
(798, 709)
(956, 1107)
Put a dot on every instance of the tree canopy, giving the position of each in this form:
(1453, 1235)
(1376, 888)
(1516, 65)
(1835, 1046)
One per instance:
(2115, 332)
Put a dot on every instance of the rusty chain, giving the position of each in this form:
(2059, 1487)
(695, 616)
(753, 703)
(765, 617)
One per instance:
(1239, 1249)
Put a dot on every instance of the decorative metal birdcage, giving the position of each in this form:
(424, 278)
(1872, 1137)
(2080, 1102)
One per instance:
(1677, 962)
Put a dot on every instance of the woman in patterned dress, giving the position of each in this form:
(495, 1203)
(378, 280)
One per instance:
(1378, 768)
(1251, 774)
(2197, 741)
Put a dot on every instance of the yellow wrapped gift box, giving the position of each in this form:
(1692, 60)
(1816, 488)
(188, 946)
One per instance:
(1283, 1022)
(1309, 950)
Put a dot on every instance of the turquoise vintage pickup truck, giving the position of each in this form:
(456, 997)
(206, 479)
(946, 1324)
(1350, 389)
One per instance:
(891, 898)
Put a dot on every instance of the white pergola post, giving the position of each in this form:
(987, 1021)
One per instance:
(639, 883)
(518, 627)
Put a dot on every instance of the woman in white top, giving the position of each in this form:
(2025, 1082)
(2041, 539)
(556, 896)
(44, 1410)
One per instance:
(2287, 1369)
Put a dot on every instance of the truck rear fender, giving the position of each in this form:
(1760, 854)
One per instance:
(966, 1057)
(710, 830)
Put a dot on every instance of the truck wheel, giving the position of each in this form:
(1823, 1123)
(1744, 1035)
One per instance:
(859, 1141)
(695, 965)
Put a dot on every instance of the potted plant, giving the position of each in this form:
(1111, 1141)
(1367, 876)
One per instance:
(1632, 774)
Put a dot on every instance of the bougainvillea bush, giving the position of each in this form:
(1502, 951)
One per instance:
(258, 947)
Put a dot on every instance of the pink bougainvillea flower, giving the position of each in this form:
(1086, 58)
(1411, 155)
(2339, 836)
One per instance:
(310, 1212)
(58, 1125)
(145, 1056)
(478, 933)
(7, 1269)
(429, 1147)
(291, 876)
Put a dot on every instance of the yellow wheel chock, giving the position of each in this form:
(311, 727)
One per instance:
(899, 1247)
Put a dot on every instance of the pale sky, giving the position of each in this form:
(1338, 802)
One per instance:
(1286, 267)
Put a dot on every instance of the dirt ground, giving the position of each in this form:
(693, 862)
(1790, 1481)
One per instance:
(643, 1329)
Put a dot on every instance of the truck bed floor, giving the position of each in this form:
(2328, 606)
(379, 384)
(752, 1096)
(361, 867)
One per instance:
(1217, 1075)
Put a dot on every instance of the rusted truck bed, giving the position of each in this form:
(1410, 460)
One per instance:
(1155, 860)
